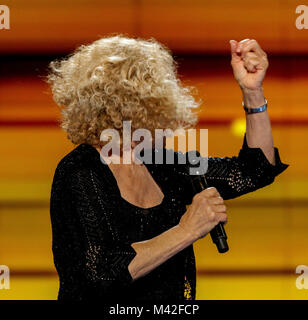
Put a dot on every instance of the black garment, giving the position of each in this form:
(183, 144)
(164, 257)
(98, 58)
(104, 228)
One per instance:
(93, 226)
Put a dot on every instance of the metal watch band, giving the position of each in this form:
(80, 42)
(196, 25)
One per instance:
(255, 110)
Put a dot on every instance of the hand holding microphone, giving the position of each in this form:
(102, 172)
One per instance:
(206, 211)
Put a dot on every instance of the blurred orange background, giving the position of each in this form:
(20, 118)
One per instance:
(267, 229)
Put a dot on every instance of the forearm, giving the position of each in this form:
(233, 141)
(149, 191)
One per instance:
(152, 253)
(258, 126)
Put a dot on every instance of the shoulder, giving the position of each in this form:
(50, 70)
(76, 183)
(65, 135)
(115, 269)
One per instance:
(81, 159)
(190, 163)
(177, 167)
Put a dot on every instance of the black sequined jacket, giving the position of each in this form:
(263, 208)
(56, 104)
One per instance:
(93, 226)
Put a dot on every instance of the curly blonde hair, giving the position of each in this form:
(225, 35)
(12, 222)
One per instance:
(115, 79)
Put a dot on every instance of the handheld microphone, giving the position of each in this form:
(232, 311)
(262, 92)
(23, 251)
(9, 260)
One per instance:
(218, 233)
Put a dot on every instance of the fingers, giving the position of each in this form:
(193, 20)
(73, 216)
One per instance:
(221, 208)
(210, 192)
(251, 62)
(223, 218)
(248, 45)
(241, 44)
(252, 55)
(216, 200)
(233, 46)
(240, 49)
(207, 194)
(211, 197)
(205, 212)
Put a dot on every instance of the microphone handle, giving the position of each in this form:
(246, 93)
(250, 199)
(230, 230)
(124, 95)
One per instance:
(218, 233)
(219, 237)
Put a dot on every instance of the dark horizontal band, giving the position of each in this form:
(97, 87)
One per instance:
(255, 110)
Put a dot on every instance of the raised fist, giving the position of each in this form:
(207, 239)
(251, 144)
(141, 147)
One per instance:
(249, 63)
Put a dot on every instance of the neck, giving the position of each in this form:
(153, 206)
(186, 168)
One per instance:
(128, 166)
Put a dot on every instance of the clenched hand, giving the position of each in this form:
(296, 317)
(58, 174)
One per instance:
(249, 63)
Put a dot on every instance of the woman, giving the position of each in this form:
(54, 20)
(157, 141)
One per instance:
(123, 230)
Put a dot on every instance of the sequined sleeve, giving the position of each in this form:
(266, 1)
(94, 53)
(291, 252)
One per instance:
(81, 243)
(235, 176)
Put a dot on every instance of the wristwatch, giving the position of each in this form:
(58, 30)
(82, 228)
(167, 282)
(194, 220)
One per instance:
(255, 110)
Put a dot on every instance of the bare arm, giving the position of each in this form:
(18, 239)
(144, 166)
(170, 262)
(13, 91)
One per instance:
(258, 125)
(249, 63)
(153, 252)
(205, 212)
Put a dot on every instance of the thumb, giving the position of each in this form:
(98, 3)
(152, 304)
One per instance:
(234, 55)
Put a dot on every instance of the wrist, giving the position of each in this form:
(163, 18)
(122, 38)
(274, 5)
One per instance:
(253, 98)
(185, 234)
(255, 110)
